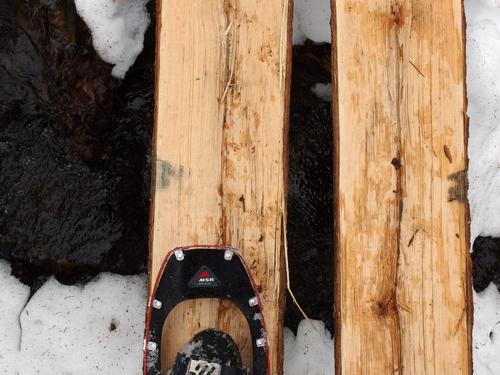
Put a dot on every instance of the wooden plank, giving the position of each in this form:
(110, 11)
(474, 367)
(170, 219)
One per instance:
(222, 91)
(403, 302)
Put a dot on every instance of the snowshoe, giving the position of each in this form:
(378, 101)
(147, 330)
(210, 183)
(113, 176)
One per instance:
(199, 273)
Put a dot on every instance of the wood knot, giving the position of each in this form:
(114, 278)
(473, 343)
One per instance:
(396, 163)
(397, 15)
(386, 306)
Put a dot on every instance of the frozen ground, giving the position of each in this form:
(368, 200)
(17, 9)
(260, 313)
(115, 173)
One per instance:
(98, 328)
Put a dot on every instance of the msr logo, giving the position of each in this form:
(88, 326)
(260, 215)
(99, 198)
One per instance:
(204, 278)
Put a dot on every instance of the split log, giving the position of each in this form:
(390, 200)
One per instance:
(222, 86)
(403, 300)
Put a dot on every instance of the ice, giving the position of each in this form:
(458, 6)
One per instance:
(117, 28)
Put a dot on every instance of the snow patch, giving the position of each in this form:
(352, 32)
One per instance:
(483, 77)
(13, 298)
(95, 329)
(486, 340)
(483, 57)
(311, 20)
(311, 352)
(117, 28)
(323, 91)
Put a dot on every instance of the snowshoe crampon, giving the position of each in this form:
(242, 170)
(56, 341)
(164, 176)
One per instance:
(191, 273)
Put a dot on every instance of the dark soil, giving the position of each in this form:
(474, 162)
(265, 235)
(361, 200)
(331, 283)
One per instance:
(486, 263)
(310, 189)
(74, 148)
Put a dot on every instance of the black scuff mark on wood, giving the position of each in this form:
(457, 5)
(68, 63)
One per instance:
(242, 200)
(458, 191)
(165, 172)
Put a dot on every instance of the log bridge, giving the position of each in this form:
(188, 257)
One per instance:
(402, 270)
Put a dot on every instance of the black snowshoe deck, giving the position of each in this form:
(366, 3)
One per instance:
(204, 272)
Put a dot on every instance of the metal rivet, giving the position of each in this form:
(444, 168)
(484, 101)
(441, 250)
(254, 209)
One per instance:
(228, 254)
(157, 304)
(254, 301)
(260, 342)
(151, 346)
(179, 255)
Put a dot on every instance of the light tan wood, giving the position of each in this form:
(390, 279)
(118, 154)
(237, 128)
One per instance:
(220, 140)
(208, 313)
(402, 288)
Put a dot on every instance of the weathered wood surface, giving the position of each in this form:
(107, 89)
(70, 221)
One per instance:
(220, 137)
(403, 302)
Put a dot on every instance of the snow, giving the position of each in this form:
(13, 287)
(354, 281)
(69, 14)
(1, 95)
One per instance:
(486, 341)
(13, 298)
(311, 351)
(311, 20)
(483, 58)
(117, 29)
(94, 329)
(483, 75)
(323, 91)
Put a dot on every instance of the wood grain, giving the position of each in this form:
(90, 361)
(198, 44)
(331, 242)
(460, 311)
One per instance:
(222, 86)
(403, 302)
